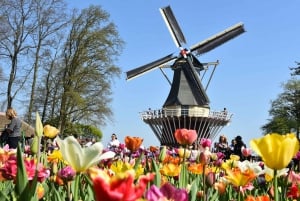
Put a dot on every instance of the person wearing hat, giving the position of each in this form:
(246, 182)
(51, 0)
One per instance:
(114, 142)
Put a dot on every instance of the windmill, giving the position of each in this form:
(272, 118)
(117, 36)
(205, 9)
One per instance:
(187, 105)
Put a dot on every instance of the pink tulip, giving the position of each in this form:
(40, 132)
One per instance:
(246, 151)
(185, 136)
(205, 143)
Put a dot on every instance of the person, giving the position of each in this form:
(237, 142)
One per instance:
(28, 140)
(222, 145)
(4, 136)
(13, 128)
(114, 142)
(231, 146)
(225, 112)
(238, 147)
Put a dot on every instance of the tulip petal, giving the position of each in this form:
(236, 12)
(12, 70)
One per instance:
(276, 150)
(80, 159)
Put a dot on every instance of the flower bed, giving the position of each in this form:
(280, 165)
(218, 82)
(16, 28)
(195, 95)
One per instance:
(129, 173)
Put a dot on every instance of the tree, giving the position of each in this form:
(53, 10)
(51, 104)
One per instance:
(51, 19)
(285, 110)
(88, 70)
(296, 70)
(16, 26)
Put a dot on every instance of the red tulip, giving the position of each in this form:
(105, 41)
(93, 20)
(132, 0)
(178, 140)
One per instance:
(120, 188)
(185, 136)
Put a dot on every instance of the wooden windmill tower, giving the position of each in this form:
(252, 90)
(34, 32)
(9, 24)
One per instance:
(187, 105)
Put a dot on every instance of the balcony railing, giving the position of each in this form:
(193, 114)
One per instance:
(166, 112)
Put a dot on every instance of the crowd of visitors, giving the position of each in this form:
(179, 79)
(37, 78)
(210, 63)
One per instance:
(236, 147)
(11, 135)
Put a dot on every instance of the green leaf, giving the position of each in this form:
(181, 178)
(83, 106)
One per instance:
(55, 196)
(183, 177)
(157, 178)
(24, 190)
(194, 190)
(138, 162)
(3, 196)
(22, 179)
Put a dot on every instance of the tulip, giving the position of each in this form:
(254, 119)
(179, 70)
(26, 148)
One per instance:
(154, 193)
(55, 156)
(40, 191)
(133, 143)
(196, 168)
(50, 131)
(183, 153)
(166, 192)
(220, 187)
(210, 178)
(240, 178)
(34, 147)
(80, 159)
(185, 136)
(205, 143)
(67, 173)
(258, 198)
(170, 170)
(246, 152)
(276, 150)
(162, 154)
(9, 169)
(173, 193)
(120, 187)
(293, 192)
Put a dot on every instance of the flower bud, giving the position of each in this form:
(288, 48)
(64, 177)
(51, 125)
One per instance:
(162, 154)
(34, 145)
(210, 179)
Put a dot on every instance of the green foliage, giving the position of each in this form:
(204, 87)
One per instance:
(296, 70)
(77, 129)
(285, 110)
(24, 190)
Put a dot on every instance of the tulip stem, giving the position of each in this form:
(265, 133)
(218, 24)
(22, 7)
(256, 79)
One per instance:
(204, 184)
(275, 186)
(184, 151)
(76, 187)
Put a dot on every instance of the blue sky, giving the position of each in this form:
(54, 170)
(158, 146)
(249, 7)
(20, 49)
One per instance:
(252, 66)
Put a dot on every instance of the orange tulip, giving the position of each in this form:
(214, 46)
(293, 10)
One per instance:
(153, 149)
(133, 143)
(185, 136)
(196, 168)
(258, 198)
(40, 191)
(220, 187)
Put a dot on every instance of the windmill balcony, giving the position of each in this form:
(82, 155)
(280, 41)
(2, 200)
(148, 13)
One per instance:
(165, 121)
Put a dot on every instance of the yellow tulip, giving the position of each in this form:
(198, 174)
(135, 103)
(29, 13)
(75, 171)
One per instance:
(276, 150)
(240, 178)
(182, 154)
(170, 170)
(50, 131)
